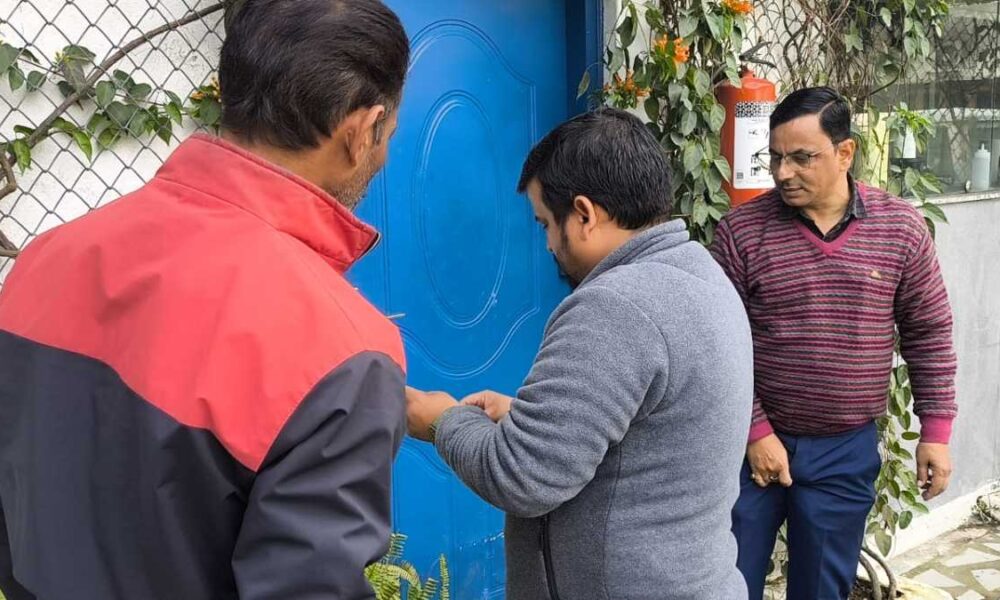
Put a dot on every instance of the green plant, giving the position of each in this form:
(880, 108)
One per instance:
(117, 105)
(897, 498)
(114, 105)
(687, 48)
(392, 577)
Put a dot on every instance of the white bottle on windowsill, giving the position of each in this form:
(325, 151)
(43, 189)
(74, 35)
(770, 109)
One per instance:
(909, 145)
(981, 169)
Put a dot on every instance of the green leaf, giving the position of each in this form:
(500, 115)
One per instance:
(581, 89)
(910, 436)
(617, 60)
(883, 541)
(165, 130)
(210, 112)
(97, 122)
(716, 118)
(121, 114)
(140, 91)
(722, 166)
(23, 130)
(931, 183)
(66, 89)
(905, 519)
(652, 108)
(83, 142)
(23, 154)
(852, 41)
(123, 80)
(687, 26)
(910, 178)
(713, 180)
(64, 126)
(654, 18)
(676, 91)
(715, 25)
(137, 124)
(692, 157)
(702, 83)
(908, 46)
(909, 5)
(886, 17)
(35, 80)
(700, 212)
(626, 31)
(934, 212)
(8, 56)
(688, 122)
(105, 93)
(109, 136)
(174, 112)
(77, 53)
(677, 139)
(175, 99)
(15, 76)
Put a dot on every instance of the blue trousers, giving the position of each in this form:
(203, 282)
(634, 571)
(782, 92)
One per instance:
(832, 492)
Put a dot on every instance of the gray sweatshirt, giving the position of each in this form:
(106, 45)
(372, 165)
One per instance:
(618, 464)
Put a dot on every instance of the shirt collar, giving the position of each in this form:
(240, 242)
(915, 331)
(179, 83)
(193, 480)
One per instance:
(278, 197)
(855, 206)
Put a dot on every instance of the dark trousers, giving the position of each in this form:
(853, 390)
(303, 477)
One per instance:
(832, 492)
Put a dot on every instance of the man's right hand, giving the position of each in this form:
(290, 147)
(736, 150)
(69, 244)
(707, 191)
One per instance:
(495, 405)
(769, 462)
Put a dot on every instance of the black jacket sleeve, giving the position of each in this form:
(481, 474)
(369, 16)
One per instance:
(319, 510)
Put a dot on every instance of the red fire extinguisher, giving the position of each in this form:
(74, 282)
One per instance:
(745, 135)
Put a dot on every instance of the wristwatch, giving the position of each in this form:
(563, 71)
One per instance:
(433, 429)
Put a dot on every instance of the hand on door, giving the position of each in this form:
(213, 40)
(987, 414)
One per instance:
(495, 405)
(423, 409)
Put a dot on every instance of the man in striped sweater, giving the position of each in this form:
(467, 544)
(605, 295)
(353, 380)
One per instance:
(828, 268)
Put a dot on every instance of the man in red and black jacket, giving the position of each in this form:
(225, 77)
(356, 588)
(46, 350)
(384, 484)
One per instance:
(194, 401)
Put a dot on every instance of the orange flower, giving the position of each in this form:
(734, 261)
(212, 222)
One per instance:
(739, 7)
(681, 52)
(663, 43)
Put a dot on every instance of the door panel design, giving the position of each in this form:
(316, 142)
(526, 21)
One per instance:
(461, 258)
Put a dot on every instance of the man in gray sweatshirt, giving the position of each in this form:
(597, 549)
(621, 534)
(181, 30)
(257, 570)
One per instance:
(618, 461)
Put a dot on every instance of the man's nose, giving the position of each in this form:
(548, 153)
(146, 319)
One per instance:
(783, 173)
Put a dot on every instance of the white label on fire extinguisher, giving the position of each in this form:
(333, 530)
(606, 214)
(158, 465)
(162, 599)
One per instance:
(750, 140)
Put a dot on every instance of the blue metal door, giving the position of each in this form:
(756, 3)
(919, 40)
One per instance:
(461, 257)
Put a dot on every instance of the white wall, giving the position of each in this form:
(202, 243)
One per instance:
(63, 185)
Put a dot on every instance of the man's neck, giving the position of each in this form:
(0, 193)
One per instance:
(827, 212)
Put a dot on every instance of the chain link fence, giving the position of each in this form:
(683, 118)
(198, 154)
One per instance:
(62, 182)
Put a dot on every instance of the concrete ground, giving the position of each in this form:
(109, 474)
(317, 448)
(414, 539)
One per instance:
(965, 563)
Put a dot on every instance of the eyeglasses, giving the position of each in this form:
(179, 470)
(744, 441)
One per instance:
(797, 161)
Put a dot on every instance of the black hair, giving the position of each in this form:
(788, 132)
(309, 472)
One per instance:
(291, 70)
(610, 157)
(833, 110)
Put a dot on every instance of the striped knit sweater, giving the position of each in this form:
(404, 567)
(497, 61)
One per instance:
(823, 315)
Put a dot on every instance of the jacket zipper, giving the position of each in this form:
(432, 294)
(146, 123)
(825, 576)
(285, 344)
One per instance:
(550, 576)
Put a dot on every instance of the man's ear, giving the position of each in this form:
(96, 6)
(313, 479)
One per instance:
(846, 151)
(363, 130)
(586, 213)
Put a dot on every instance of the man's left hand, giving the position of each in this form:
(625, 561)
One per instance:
(933, 468)
(423, 408)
